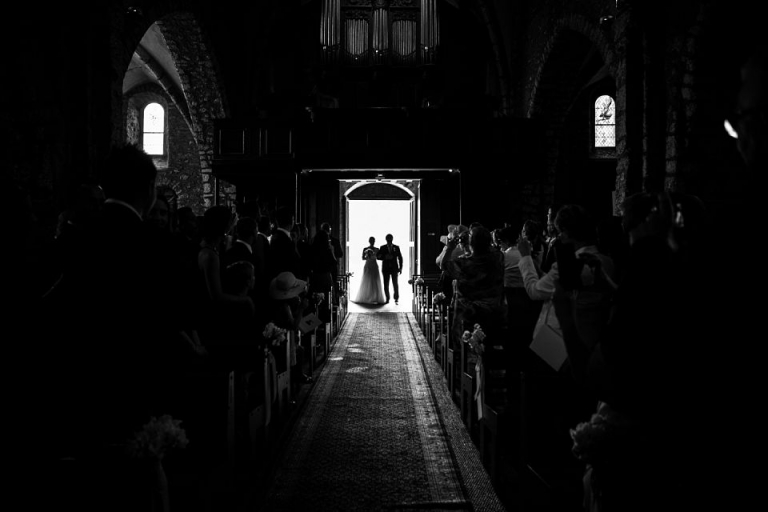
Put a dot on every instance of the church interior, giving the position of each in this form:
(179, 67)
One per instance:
(487, 112)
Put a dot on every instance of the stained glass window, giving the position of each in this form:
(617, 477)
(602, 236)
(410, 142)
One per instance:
(605, 122)
(154, 129)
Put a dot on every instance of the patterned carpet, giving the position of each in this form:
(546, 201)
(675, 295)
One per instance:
(379, 431)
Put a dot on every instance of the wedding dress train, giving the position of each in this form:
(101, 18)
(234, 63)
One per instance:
(371, 289)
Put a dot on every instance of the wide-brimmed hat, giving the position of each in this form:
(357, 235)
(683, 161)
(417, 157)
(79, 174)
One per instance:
(286, 286)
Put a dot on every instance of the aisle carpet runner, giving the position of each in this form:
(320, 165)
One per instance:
(379, 431)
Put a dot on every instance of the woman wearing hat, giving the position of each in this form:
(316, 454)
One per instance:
(288, 301)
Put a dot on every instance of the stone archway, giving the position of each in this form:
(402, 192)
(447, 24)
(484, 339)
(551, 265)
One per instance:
(203, 92)
(570, 58)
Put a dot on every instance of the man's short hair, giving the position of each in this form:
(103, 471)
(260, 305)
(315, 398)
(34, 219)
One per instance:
(576, 222)
(283, 216)
(246, 227)
(325, 226)
(128, 172)
(508, 235)
(265, 226)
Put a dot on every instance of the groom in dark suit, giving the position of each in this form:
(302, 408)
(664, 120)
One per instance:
(391, 266)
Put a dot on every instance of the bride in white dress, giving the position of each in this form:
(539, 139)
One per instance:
(371, 289)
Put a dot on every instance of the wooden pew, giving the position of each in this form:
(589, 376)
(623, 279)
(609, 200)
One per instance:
(284, 379)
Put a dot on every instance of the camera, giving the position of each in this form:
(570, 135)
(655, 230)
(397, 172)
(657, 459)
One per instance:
(569, 267)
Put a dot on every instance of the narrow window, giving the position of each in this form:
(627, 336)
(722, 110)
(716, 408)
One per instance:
(605, 122)
(154, 129)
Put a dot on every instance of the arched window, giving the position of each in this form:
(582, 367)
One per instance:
(605, 122)
(153, 135)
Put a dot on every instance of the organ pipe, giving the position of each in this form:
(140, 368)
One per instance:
(329, 25)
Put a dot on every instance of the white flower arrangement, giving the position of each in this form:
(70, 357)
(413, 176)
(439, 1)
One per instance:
(475, 339)
(439, 298)
(274, 335)
(594, 439)
(420, 281)
(157, 437)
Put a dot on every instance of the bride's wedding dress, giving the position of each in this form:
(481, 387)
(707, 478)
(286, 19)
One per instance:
(371, 289)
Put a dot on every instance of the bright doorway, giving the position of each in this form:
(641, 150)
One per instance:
(377, 218)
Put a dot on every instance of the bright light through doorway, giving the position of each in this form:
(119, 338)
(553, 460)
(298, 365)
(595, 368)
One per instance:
(376, 218)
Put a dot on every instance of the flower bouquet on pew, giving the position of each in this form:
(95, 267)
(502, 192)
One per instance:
(596, 440)
(274, 335)
(439, 299)
(156, 438)
(420, 282)
(316, 299)
(475, 339)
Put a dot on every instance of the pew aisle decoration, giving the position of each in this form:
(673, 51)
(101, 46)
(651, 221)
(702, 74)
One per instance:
(475, 340)
(317, 299)
(157, 437)
(439, 299)
(594, 440)
(274, 335)
(150, 445)
(600, 443)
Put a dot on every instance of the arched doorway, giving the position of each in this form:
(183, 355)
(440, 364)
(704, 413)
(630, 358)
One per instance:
(375, 208)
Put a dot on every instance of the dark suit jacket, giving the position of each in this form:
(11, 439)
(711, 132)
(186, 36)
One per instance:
(339, 253)
(391, 264)
(238, 252)
(260, 248)
(283, 255)
(114, 321)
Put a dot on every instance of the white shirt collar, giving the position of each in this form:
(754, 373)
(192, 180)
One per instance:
(250, 249)
(589, 249)
(129, 206)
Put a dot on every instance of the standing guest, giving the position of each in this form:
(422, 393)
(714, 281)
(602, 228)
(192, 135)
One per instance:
(455, 232)
(214, 303)
(261, 256)
(338, 253)
(478, 299)
(246, 231)
(300, 236)
(160, 214)
(578, 235)
(522, 311)
(550, 237)
(283, 254)
(118, 372)
(323, 261)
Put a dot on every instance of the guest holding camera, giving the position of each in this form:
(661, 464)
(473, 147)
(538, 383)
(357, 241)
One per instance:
(579, 267)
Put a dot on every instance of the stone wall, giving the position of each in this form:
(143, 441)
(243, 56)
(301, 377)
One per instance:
(179, 168)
